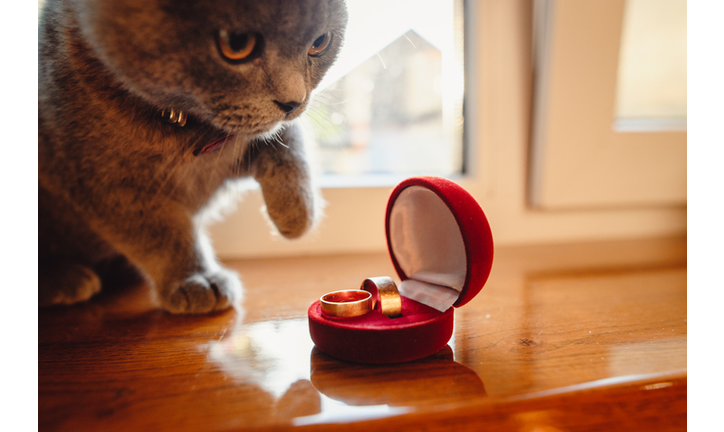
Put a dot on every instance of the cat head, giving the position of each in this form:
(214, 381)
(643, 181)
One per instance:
(243, 66)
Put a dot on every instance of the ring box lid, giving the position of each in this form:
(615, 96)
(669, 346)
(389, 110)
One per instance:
(439, 241)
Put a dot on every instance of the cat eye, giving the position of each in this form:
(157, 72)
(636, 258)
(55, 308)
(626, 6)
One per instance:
(236, 47)
(320, 44)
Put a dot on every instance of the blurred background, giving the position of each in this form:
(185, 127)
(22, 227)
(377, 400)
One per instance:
(566, 119)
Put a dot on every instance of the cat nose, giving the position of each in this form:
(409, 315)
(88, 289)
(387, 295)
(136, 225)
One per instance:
(287, 107)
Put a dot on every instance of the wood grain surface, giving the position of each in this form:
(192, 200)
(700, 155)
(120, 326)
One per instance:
(563, 337)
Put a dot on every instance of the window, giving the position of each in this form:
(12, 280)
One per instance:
(579, 159)
(391, 107)
(392, 103)
(498, 105)
(651, 84)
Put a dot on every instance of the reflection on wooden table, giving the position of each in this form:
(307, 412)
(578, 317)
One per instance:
(566, 337)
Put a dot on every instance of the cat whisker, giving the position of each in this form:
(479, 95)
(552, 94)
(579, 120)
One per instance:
(322, 124)
(328, 100)
(175, 162)
(210, 178)
(277, 136)
(170, 174)
(238, 155)
(332, 104)
(330, 90)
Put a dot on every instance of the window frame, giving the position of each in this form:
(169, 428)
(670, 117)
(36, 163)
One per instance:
(579, 158)
(498, 114)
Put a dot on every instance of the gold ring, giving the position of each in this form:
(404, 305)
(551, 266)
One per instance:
(346, 303)
(389, 298)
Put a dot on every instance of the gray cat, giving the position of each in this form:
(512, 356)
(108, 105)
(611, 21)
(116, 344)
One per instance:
(147, 109)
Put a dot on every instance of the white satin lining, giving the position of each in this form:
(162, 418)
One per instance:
(428, 246)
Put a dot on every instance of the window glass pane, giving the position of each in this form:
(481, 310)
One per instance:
(392, 104)
(652, 62)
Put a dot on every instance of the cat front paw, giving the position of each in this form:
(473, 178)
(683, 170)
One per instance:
(66, 283)
(203, 293)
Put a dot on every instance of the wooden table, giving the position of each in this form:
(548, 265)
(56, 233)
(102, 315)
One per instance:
(565, 337)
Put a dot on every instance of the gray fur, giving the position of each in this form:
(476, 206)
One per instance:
(118, 183)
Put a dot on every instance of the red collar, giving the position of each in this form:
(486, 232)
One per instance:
(178, 118)
(213, 145)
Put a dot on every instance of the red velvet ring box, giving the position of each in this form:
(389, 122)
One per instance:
(440, 243)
